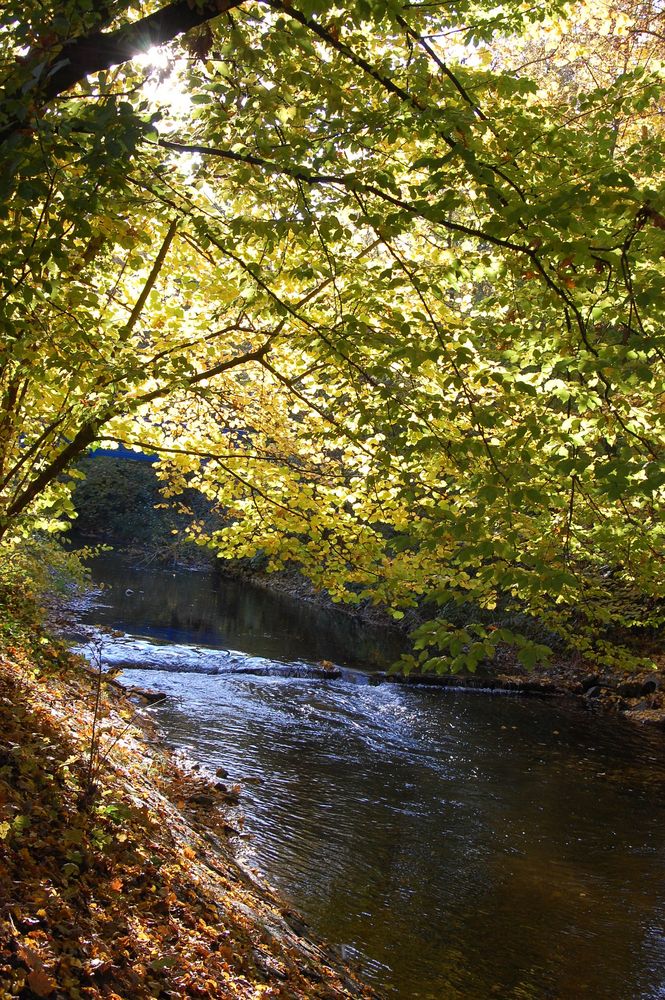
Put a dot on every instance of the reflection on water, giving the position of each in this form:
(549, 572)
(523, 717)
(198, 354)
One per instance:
(215, 611)
(459, 846)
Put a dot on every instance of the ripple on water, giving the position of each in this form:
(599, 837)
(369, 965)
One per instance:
(457, 846)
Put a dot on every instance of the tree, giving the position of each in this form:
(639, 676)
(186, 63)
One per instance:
(398, 313)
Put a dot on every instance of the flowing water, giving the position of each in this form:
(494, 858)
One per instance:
(453, 845)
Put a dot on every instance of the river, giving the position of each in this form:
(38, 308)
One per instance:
(453, 845)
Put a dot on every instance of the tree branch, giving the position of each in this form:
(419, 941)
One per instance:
(152, 278)
(346, 181)
(89, 431)
(79, 57)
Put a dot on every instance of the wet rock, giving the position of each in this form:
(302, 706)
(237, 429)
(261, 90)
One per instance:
(221, 772)
(144, 696)
(232, 795)
(202, 799)
(588, 682)
(594, 692)
(651, 685)
(289, 670)
(630, 689)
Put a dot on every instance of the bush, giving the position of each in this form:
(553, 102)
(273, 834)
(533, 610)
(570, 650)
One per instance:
(35, 574)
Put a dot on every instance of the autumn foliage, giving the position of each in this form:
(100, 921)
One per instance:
(383, 282)
(126, 889)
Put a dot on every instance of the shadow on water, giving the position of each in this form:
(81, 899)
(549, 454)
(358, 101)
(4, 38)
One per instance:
(458, 846)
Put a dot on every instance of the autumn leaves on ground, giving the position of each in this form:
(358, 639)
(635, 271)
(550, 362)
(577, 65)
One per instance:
(116, 875)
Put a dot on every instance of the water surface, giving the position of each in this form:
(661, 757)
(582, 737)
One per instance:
(458, 846)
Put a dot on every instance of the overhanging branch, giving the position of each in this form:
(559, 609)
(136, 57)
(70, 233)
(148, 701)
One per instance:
(79, 57)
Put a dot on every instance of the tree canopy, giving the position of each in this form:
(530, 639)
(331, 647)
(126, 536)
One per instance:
(382, 279)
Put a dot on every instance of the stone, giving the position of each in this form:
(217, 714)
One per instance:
(202, 799)
(630, 689)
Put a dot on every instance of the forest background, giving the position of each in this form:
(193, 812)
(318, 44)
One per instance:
(382, 280)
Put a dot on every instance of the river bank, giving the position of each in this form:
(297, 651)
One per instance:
(637, 696)
(118, 877)
(420, 830)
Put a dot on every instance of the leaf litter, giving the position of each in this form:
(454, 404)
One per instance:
(126, 887)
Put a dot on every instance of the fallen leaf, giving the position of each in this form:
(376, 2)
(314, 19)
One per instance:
(41, 983)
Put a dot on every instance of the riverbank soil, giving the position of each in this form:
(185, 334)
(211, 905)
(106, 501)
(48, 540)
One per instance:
(117, 875)
(638, 696)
